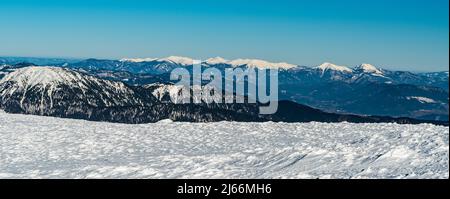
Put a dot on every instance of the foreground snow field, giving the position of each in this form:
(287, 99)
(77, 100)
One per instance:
(44, 147)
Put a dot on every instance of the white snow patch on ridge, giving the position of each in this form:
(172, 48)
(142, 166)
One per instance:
(368, 68)
(329, 66)
(256, 63)
(421, 99)
(138, 59)
(174, 59)
(174, 92)
(45, 147)
(185, 61)
(216, 60)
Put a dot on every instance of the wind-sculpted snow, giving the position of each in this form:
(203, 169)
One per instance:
(44, 147)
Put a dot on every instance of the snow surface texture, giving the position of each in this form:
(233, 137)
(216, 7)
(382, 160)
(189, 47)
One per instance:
(44, 147)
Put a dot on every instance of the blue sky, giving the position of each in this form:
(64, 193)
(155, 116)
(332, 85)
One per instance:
(394, 34)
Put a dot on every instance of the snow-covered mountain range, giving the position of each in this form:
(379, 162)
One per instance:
(228, 140)
(364, 89)
(326, 71)
(62, 92)
(186, 61)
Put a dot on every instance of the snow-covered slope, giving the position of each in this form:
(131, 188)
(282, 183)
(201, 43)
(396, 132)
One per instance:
(184, 61)
(43, 147)
(170, 93)
(173, 59)
(51, 77)
(368, 68)
(261, 64)
(333, 67)
(167, 92)
(137, 60)
(62, 92)
(216, 60)
(421, 99)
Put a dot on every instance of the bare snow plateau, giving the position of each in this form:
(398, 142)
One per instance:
(45, 147)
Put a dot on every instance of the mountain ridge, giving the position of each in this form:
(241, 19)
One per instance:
(366, 90)
(101, 101)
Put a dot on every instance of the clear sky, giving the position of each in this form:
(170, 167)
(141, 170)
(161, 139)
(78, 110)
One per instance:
(394, 34)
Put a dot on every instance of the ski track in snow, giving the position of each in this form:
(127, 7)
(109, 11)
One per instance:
(45, 147)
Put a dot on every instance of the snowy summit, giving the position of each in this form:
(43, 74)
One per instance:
(37, 75)
(329, 66)
(173, 59)
(137, 59)
(256, 63)
(368, 68)
(185, 61)
(216, 60)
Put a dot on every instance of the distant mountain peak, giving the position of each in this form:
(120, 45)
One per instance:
(173, 59)
(46, 75)
(37, 90)
(262, 64)
(185, 61)
(137, 59)
(329, 66)
(368, 68)
(49, 77)
(216, 60)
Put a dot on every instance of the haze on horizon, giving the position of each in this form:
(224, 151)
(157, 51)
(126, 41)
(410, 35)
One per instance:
(402, 35)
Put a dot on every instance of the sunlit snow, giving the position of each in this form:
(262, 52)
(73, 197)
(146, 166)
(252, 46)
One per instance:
(45, 147)
(421, 99)
(329, 66)
(368, 68)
